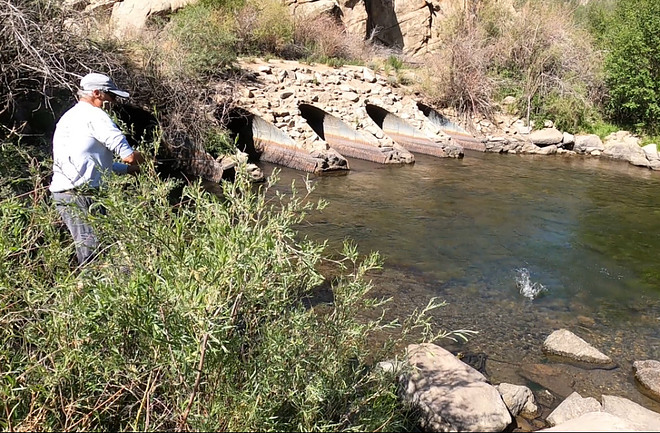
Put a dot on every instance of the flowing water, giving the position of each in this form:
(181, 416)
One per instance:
(518, 246)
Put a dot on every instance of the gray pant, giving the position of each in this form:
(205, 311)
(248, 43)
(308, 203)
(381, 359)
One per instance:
(74, 209)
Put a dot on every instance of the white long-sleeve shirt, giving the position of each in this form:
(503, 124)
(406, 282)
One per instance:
(85, 143)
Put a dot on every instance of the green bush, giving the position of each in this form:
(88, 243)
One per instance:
(633, 65)
(200, 316)
(203, 38)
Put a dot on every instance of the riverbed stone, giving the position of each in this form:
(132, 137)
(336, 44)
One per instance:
(554, 378)
(451, 395)
(568, 345)
(643, 418)
(594, 422)
(572, 407)
(519, 399)
(647, 374)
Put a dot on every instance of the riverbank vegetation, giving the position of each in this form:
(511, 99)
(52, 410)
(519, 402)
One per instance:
(207, 312)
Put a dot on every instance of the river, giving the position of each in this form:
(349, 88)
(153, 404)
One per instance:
(518, 246)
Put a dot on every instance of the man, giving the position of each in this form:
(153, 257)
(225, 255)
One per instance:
(85, 143)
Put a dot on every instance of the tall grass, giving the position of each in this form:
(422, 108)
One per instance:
(200, 315)
(536, 53)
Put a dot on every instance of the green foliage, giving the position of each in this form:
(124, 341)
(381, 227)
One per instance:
(633, 65)
(601, 128)
(263, 27)
(205, 38)
(218, 142)
(200, 316)
(650, 139)
(395, 63)
(568, 112)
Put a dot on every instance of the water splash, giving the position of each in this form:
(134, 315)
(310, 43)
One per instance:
(527, 288)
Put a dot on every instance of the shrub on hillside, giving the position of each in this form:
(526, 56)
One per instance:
(633, 65)
(548, 58)
(535, 53)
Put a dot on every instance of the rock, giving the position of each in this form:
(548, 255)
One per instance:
(588, 143)
(567, 140)
(530, 148)
(546, 136)
(645, 419)
(548, 150)
(566, 344)
(451, 395)
(624, 146)
(518, 399)
(131, 15)
(572, 407)
(368, 75)
(594, 422)
(651, 151)
(551, 377)
(647, 374)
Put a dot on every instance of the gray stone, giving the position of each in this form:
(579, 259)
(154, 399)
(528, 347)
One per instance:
(566, 344)
(647, 374)
(572, 407)
(644, 418)
(548, 150)
(131, 15)
(519, 399)
(588, 143)
(546, 136)
(594, 422)
(451, 395)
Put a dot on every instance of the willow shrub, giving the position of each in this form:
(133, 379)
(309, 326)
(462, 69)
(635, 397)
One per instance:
(199, 315)
(632, 65)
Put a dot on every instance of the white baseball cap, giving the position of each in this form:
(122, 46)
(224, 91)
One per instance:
(96, 81)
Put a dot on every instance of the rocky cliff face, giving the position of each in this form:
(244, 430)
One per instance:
(413, 26)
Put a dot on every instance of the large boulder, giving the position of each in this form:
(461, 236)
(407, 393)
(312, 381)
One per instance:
(652, 155)
(589, 144)
(643, 418)
(451, 395)
(546, 137)
(572, 407)
(594, 422)
(132, 15)
(624, 146)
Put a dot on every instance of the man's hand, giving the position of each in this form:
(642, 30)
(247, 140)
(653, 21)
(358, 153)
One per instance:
(135, 158)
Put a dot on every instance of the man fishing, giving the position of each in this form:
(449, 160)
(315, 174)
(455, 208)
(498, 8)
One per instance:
(85, 144)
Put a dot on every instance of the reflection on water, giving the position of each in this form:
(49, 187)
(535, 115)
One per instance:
(584, 229)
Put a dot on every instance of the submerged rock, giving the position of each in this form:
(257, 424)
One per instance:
(568, 345)
(647, 374)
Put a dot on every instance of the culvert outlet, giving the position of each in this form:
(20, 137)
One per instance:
(404, 133)
(450, 128)
(263, 141)
(349, 141)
